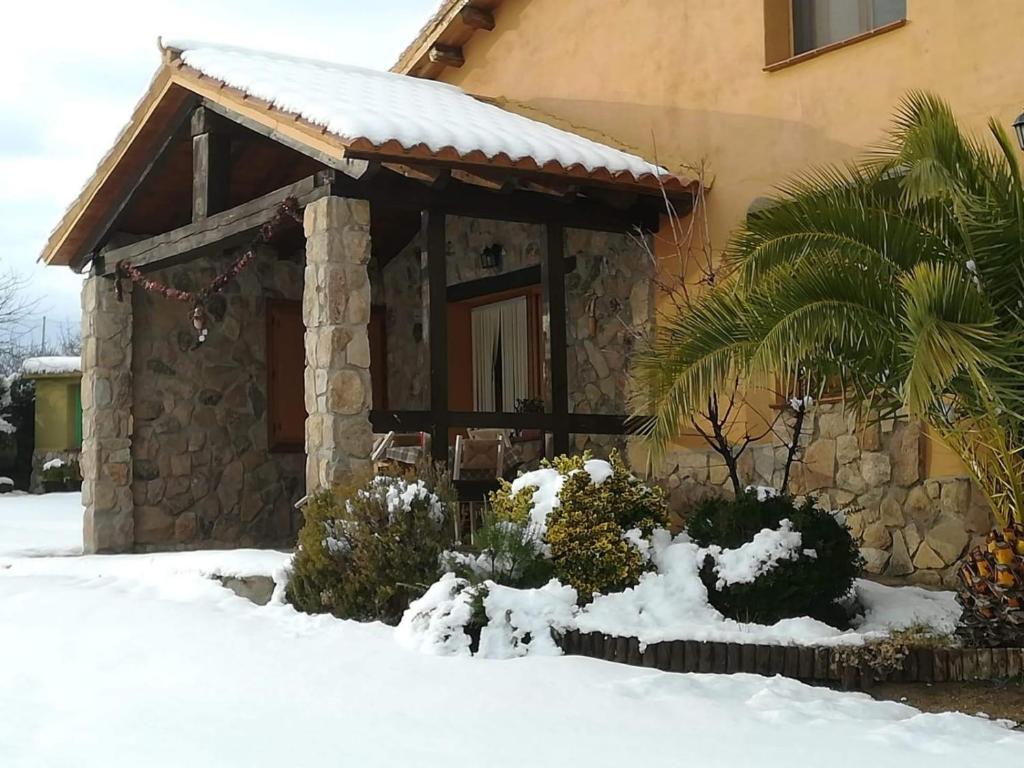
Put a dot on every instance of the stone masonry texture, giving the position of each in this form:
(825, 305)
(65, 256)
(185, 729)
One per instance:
(336, 313)
(203, 474)
(106, 460)
(910, 527)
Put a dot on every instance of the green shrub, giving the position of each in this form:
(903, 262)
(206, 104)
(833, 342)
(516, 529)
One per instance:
(807, 586)
(510, 553)
(586, 532)
(368, 549)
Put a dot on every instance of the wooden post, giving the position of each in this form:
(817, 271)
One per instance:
(436, 273)
(553, 283)
(211, 165)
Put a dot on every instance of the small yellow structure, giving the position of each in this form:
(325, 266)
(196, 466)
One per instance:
(58, 415)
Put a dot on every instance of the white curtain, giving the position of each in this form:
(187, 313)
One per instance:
(486, 322)
(507, 321)
(515, 355)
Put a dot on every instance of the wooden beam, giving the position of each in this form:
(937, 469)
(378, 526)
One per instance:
(507, 281)
(449, 55)
(352, 167)
(553, 287)
(211, 165)
(432, 176)
(559, 191)
(436, 272)
(579, 423)
(391, 190)
(213, 234)
(156, 161)
(477, 18)
(494, 183)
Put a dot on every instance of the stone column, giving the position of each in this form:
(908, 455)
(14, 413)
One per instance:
(107, 417)
(336, 313)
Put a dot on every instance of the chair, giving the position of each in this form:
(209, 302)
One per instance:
(477, 466)
(479, 458)
(400, 448)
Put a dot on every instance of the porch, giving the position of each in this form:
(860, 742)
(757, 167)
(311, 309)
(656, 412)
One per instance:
(427, 290)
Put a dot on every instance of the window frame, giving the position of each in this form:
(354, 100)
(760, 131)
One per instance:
(780, 38)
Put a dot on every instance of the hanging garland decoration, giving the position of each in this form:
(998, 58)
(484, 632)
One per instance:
(287, 211)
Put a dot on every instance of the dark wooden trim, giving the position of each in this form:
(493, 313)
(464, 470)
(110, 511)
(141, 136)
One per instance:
(392, 190)
(436, 243)
(213, 234)
(508, 281)
(579, 423)
(449, 55)
(809, 663)
(352, 168)
(477, 18)
(553, 287)
(157, 160)
(211, 165)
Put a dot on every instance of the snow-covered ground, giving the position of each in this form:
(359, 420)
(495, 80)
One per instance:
(142, 660)
(49, 524)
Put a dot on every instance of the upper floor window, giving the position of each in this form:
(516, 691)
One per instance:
(817, 23)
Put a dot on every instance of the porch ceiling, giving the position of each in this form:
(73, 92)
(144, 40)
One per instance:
(335, 114)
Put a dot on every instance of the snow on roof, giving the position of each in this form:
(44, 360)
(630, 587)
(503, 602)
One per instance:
(369, 106)
(51, 366)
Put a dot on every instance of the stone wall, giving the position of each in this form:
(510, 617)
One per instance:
(608, 301)
(204, 475)
(910, 527)
(609, 307)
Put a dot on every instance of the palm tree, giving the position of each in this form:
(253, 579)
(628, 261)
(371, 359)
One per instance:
(901, 276)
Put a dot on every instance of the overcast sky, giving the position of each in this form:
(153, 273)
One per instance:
(71, 72)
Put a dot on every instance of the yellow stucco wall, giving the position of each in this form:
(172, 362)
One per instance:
(687, 77)
(57, 414)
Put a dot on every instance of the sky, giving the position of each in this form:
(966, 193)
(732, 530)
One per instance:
(72, 71)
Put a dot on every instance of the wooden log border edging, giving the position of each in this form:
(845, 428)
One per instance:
(807, 663)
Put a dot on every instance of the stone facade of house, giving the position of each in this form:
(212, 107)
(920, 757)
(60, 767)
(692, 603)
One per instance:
(609, 301)
(909, 527)
(203, 474)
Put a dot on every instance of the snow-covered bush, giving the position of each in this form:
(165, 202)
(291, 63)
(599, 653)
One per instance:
(367, 550)
(457, 618)
(784, 560)
(593, 517)
(508, 552)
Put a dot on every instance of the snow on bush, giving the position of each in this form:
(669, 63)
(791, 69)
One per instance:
(515, 622)
(758, 556)
(53, 464)
(547, 484)
(670, 603)
(520, 622)
(592, 517)
(436, 623)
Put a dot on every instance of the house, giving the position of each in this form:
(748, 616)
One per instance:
(288, 257)
(753, 93)
(58, 411)
(438, 226)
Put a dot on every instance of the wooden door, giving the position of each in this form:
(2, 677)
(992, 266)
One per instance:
(286, 363)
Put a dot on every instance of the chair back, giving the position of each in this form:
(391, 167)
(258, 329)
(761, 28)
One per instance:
(478, 459)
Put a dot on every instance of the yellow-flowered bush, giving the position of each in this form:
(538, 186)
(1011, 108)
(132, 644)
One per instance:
(587, 531)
